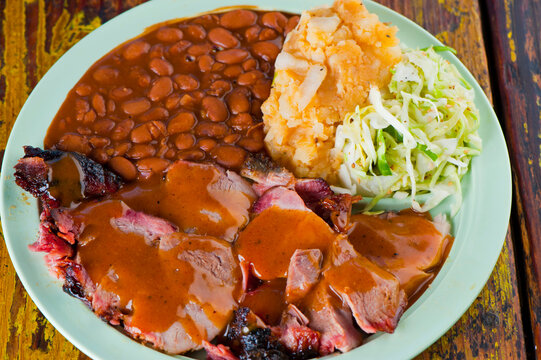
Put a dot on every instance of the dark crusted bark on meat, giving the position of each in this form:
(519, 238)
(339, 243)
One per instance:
(32, 174)
(72, 283)
(250, 342)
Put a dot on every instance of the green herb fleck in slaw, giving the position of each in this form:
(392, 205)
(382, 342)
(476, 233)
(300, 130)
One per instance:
(416, 136)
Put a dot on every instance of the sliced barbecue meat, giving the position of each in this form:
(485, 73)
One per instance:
(265, 173)
(59, 178)
(300, 341)
(150, 227)
(408, 245)
(250, 340)
(316, 194)
(281, 197)
(303, 273)
(332, 319)
(218, 352)
(372, 293)
(206, 199)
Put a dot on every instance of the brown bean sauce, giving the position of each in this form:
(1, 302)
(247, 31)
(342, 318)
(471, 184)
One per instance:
(189, 90)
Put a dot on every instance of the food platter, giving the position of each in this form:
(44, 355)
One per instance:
(479, 227)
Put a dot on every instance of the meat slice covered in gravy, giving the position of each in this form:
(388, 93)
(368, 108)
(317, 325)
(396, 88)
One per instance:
(303, 273)
(407, 245)
(202, 199)
(372, 293)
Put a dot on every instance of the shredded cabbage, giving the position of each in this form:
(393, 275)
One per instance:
(417, 136)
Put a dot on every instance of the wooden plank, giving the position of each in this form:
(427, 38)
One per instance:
(36, 33)
(492, 327)
(517, 54)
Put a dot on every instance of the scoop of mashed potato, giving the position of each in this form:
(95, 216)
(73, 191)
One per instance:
(325, 69)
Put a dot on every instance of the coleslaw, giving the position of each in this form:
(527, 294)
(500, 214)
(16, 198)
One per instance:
(417, 136)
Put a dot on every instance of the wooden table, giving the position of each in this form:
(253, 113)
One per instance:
(498, 40)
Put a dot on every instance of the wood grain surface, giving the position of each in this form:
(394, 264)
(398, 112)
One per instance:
(517, 56)
(35, 33)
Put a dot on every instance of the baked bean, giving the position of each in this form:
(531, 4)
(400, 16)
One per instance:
(84, 130)
(198, 95)
(81, 108)
(252, 33)
(172, 101)
(256, 108)
(83, 89)
(237, 19)
(140, 135)
(214, 130)
(161, 88)
(266, 66)
(228, 155)
(181, 122)
(249, 78)
(186, 82)
(196, 32)
(105, 74)
(241, 122)
(99, 142)
(238, 102)
(161, 67)
(103, 127)
(120, 92)
(193, 155)
(135, 49)
(170, 154)
(275, 20)
(207, 20)
(162, 150)
(111, 106)
(98, 103)
(141, 76)
(217, 67)
(156, 113)
(157, 129)
(261, 89)
(152, 165)
(250, 144)
(291, 24)
(205, 63)
(214, 109)
(223, 38)
(74, 142)
(199, 49)
(188, 101)
(169, 34)
(179, 47)
(123, 167)
(89, 117)
(121, 149)
(140, 151)
(267, 34)
(231, 138)
(256, 132)
(219, 88)
(231, 56)
(266, 50)
(184, 141)
(206, 144)
(136, 106)
(233, 71)
(122, 129)
(157, 51)
(250, 64)
(99, 155)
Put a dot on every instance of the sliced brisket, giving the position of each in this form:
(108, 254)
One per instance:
(303, 273)
(372, 293)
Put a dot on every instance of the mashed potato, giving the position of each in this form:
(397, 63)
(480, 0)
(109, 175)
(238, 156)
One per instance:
(325, 69)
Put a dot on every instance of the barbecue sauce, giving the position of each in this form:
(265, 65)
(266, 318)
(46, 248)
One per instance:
(407, 245)
(272, 237)
(195, 197)
(156, 284)
(66, 180)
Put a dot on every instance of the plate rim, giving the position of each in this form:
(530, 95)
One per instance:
(374, 7)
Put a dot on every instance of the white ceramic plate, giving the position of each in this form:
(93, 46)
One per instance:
(479, 227)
